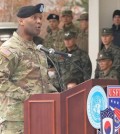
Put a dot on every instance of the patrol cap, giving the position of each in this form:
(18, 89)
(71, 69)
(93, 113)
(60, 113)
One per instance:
(104, 55)
(116, 12)
(53, 16)
(67, 13)
(106, 31)
(83, 16)
(28, 11)
(69, 35)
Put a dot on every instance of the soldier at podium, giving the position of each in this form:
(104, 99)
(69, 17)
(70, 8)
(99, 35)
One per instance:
(23, 70)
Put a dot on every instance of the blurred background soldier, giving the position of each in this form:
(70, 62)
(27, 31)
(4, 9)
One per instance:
(67, 21)
(116, 27)
(82, 39)
(108, 46)
(51, 39)
(79, 65)
(67, 18)
(23, 70)
(105, 61)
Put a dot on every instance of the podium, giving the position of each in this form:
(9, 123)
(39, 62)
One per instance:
(61, 113)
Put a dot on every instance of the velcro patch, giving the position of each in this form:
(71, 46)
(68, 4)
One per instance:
(5, 52)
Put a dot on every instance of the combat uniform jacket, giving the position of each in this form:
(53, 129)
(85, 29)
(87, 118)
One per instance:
(79, 65)
(111, 74)
(51, 40)
(82, 40)
(115, 51)
(22, 73)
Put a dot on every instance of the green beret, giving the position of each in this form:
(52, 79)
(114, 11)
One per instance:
(104, 55)
(67, 13)
(106, 31)
(28, 11)
(69, 35)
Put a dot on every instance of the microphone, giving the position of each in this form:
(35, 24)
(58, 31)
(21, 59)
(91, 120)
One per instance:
(42, 48)
(52, 51)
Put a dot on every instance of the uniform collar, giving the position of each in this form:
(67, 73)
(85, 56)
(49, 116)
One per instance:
(73, 49)
(25, 43)
(68, 26)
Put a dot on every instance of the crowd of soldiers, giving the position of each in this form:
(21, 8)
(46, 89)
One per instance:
(73, 39)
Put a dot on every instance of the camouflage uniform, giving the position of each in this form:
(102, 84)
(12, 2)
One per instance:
(79, 65)
(70, 27)
(82, 40)
(115, 51)
(23, 72)
(51, 40)
(111, 74)
(106, 70)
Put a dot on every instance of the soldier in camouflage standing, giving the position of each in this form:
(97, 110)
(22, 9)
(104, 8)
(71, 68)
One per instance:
(79, 65)
(23, 70)
(50, 41)
(52, 37)
(108, 46)
(82, 39)
(66, 19)
(105, 61)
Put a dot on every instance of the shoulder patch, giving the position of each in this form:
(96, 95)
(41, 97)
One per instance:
(5, 52)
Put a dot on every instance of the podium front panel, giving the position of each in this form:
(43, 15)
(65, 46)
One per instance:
(76, 113)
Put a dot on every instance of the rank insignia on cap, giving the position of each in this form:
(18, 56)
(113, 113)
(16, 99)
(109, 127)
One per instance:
(54, 16)
(101, 55)
(41, 8)
(67, 34)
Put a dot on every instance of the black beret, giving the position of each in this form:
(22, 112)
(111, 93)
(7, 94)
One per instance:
(116, 12)
(28, 11)
(53, 16)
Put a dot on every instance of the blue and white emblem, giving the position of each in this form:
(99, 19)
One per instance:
(96, 102)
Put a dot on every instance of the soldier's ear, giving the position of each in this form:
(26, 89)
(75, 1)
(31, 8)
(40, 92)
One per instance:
(20, 21)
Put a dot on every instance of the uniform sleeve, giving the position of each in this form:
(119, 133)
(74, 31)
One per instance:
(8, 64)
(87, 66)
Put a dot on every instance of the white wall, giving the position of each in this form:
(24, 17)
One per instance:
(100, 15)
(93, 32)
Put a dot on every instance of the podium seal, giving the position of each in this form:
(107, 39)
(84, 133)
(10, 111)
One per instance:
(96, 102)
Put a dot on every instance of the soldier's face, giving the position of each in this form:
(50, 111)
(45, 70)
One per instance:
(105, 64)
(70, 43)
(106, 39)
(67, 19)
(53, 23)
(32, 24)
(83, 25)
(116, 20)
